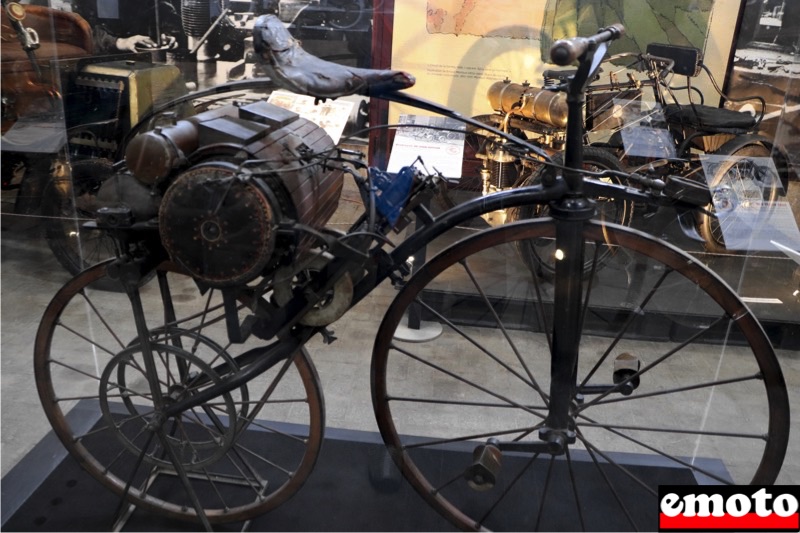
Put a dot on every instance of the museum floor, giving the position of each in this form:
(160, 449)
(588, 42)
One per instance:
(30, 275)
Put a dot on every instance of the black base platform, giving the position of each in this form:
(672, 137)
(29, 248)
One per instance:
(354, 487)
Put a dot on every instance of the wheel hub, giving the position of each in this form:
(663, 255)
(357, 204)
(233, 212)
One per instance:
(195, 442)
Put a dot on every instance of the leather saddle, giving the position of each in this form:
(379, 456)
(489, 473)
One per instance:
(296, 70)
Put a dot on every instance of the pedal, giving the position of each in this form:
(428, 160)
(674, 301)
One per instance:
(486, 462)
(625, 366)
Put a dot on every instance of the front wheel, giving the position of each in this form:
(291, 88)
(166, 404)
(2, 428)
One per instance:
(660, 397)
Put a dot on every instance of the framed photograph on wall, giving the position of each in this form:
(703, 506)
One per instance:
(766, 63)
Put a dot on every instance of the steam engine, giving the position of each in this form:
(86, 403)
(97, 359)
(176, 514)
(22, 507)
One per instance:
(538, 114)
(239, 184)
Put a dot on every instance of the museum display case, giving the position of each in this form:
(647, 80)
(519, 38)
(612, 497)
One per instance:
(557, 241)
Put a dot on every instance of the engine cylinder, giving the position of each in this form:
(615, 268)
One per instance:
(219, 227)
(195, 17)
(504, 175)
(152, 156)
(543, 105)
(219, 219)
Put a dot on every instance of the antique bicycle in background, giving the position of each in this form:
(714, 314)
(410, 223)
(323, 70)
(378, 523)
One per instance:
(536, 398)
(641, 124)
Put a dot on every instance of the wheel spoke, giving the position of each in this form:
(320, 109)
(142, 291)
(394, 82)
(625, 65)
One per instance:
(613, 489)
(502, 328)
(100, 317)
(478, 345)
(545, 492)
(651, 366)
(464, 438)
(673, 390)
(668, 456)
(136, 467)
(87, 339)
(758, 436)
(621, 333)
(574, 486)
(465, 381)
(463, 403)
(615, 464)
(264, 460)
(508, 489)
(271, 429)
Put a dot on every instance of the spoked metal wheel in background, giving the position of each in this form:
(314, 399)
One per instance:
(68, 204)
(703, 400)
(743, 194)
(234, 456)
(540, 254)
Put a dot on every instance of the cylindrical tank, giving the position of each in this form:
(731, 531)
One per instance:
(543, 105)
(151, 156)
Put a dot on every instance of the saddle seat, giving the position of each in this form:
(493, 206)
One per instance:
(710, 119)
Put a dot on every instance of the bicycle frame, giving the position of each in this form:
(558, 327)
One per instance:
(569, 207)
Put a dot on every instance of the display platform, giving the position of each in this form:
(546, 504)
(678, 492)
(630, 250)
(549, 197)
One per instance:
(354, 487)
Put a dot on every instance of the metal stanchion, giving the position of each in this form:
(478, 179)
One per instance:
(416, 329)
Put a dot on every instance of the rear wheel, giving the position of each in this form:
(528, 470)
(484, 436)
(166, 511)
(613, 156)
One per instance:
(235, 455)
(661, 396)
(743, 191)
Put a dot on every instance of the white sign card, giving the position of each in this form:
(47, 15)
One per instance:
(330, 115)
(434, 140)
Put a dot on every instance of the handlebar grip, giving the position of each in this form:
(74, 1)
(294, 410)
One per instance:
(567, 51)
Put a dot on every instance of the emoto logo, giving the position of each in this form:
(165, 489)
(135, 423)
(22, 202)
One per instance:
(728, 508)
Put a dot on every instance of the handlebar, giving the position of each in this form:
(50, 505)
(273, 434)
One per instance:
(567, 51)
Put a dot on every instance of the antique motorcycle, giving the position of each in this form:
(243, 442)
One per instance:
(202, 399)
(659, 136)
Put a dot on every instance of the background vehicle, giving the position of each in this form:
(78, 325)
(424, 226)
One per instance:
(65, 112)
(67, 108)
(659, 133)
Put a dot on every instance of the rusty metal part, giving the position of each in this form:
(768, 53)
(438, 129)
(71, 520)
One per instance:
(153, 155)
(219, 218)
(331, 306)
(546, 106)
(123, 190)
(626, 366)
(218, 227)
(486, 463)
